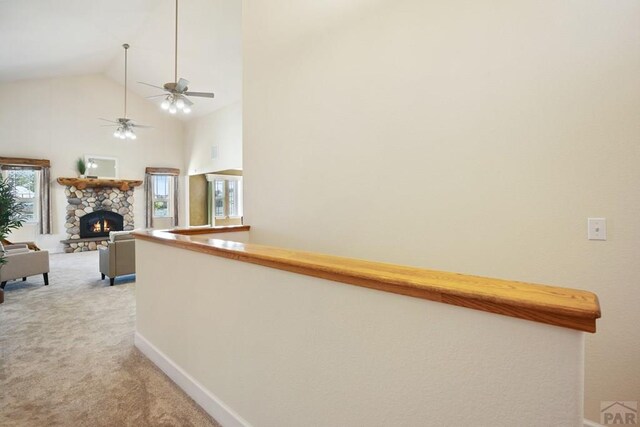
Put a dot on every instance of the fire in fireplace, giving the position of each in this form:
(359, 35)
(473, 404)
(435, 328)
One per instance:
(100, 223)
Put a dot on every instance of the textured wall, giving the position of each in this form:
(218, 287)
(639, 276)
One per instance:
(463, 136)
(282, 349)
(198, 200)
(222, 129)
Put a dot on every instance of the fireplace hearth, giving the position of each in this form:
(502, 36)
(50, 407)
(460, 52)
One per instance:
(100, 223)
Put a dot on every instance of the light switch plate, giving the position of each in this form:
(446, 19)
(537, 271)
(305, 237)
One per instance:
(597, 228)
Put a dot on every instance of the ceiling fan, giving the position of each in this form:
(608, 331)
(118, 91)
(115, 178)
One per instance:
(125, 125)
(177, 91)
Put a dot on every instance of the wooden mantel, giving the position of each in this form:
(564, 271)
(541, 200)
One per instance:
(82, 183)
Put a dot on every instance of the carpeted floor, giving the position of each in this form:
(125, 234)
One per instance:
(67, 356)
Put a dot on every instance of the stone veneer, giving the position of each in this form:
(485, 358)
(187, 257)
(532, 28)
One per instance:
(81, 202)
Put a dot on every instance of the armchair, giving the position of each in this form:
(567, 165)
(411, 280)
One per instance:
(119, 257)
(21, 263)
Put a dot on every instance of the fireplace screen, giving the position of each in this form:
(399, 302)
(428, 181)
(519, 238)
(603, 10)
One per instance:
(100, 223)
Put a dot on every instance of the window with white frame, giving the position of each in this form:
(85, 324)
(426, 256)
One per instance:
(162, 196)
(26, 186)
(227, 196)
(220, 194)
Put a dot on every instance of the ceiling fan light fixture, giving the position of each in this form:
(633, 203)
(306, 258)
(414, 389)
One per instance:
(186, 109)
(173, 109)
(180, 103)
(165, 104)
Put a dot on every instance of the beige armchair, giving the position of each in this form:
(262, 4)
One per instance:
(22, 263)
(119, 257)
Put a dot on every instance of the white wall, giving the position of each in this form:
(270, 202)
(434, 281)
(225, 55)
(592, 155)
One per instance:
(280, 349)
(464, 136)
(57, 119)
(223, 129)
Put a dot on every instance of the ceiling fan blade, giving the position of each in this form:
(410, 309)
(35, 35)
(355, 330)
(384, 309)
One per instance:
(147, 84)
(110, 121)
(200, 94)
(132, 123)
(181, 85)
(187, 101)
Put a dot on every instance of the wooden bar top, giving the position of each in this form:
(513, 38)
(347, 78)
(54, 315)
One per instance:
(190, 231)
(570, 308)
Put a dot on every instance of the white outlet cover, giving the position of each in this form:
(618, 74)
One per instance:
(597, 228)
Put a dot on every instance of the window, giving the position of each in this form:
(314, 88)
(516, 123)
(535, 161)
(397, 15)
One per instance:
(162, 194)
(31, 178)
(227, 196)
(233, 208)
(220, 196)
(161, 190)
(25, 182)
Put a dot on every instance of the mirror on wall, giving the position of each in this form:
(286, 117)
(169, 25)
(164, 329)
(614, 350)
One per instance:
(101, 167)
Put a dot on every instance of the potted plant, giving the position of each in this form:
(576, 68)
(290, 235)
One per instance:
(11, 216)
(81, 165)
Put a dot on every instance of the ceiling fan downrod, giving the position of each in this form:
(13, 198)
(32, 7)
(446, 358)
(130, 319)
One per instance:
(126, 48)
(175, 49)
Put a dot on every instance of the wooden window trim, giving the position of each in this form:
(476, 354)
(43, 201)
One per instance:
(162, 171)
(20, 161)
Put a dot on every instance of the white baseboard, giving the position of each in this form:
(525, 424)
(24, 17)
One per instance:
(203, 397)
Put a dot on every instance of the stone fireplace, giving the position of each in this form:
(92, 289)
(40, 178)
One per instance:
(93, 212)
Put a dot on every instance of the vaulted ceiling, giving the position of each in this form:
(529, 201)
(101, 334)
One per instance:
(51, 38)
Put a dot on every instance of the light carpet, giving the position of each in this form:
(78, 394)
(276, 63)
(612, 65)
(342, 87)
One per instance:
(67, 356)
